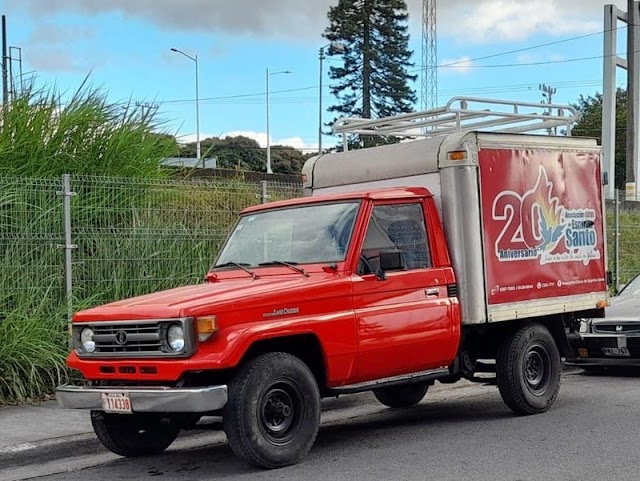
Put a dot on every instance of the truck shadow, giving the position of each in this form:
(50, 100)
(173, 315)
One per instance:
(362, 432)
(612, 371)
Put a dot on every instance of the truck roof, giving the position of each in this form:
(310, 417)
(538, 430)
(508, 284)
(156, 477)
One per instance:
(370, 194)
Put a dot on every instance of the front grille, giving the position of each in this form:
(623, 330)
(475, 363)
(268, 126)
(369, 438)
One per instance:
(130, 337)
(622, 328)
(135, 338)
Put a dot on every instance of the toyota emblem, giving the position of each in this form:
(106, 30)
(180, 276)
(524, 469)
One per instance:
(121, 338)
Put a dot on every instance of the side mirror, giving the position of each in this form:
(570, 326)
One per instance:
(391, 260)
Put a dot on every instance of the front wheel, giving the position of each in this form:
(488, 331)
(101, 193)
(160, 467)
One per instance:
(404, 396)
(134, 435)
(273, 413)
(528, 370)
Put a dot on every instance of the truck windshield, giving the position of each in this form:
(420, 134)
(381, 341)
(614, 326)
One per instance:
(299, 235)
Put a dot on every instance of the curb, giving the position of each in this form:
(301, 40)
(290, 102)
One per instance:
(49, 449)
(73, 446)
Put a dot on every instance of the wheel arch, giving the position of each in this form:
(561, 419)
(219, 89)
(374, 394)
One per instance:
(306, 347)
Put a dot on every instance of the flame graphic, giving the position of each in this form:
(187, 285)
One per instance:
(550, 225)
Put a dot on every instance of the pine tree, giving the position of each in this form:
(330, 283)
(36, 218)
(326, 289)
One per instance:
(374, 80)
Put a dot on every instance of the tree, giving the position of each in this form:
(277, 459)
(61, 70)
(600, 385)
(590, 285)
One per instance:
(287, 160)
(374, 79)
(590, 125)
(244, 153)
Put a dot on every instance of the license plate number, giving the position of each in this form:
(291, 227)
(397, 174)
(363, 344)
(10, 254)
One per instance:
(116, 403)
(615, 351)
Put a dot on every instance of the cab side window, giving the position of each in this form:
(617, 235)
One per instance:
(397, 226)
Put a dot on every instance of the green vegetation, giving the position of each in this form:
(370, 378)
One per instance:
(243, 153)
(44, 136)
(590, 125)
(371, 39)
(136, 230)
(629, 244)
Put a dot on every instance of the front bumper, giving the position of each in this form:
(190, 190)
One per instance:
(146, 399)
(591, 349)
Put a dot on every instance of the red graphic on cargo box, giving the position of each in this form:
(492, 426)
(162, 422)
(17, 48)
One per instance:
(543, 226)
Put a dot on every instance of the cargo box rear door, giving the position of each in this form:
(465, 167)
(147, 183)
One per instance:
(543, 230)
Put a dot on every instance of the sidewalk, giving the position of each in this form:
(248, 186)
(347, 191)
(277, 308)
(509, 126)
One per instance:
(43, 428)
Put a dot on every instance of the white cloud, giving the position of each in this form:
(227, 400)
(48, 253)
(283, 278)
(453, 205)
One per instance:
(517, 20)
(468, 20)
(47, 47)
(461, 65)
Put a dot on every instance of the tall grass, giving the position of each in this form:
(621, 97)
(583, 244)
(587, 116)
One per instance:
(47, 133)
(44, 134)
(629, 241)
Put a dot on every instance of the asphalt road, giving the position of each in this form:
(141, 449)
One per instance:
(464, 433)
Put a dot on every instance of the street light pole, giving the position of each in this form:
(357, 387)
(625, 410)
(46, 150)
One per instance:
(267, 75)
(269, 171)
(321, 57)
(335, 47)
(198, 151)
(195, 60)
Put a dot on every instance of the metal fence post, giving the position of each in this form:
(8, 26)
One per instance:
(616, 234)
(68, 247)
(264, 196)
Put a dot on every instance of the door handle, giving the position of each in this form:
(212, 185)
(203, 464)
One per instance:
(432, 292)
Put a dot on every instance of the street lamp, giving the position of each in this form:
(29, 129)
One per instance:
(195, 60)
(269, 74)
(337, 48)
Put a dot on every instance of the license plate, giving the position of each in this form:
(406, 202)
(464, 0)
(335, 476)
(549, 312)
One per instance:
(116, 403)
(615, 351)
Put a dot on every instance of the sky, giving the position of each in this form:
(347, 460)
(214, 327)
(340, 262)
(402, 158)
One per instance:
(486, 48)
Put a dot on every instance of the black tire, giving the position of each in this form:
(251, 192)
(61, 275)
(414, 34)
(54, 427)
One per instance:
(404, 396)
(528, 370)
(273, 413)
(134, 435)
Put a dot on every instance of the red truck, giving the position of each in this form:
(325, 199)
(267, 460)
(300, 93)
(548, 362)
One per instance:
(434, 260)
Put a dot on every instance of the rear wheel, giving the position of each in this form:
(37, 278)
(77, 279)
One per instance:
(404, 396)
(273, 413)
(528, 370)
(134, 435)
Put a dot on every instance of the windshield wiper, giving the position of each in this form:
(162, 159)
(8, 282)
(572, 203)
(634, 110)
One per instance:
(241, 265)
(290, 265)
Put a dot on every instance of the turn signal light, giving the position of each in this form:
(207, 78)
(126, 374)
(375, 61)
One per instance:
(458, 155)
(206, 326)
(602, 304)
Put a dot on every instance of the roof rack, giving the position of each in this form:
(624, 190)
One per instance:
(464, 114)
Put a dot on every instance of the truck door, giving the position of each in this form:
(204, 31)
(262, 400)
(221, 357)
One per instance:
(404, 321)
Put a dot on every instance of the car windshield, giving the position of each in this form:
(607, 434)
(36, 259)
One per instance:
(299, 235)
(632, 289)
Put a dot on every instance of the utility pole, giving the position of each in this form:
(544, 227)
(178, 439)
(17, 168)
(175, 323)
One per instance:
(633, 95)
(5, 84)
(147, 107)
(547, 98)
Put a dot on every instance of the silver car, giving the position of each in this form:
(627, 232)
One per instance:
(614, 340)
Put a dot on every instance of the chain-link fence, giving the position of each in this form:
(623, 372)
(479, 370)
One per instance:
(623, 232)
(132, 236)
(31, 232)
(122, 237)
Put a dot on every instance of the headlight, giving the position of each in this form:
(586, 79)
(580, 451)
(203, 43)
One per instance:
(585, 326)
(175, 337)
(86, 340)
